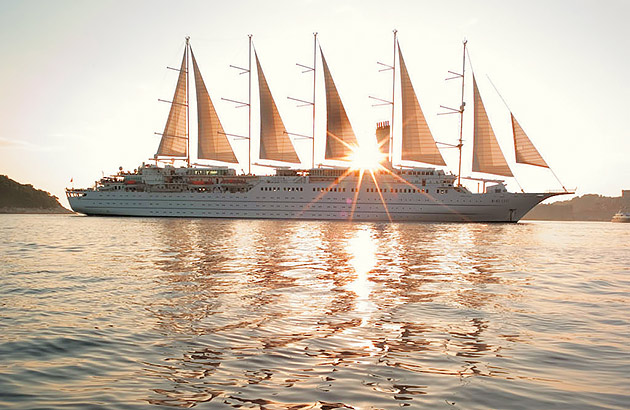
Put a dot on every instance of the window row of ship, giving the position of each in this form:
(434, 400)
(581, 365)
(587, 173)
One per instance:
(341, 189)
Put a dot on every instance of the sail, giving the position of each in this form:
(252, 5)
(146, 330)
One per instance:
(174, 137)
(487, 155)
(275, 143)
(417, 142)
(212, 141)
(339, 135)
(526, 153)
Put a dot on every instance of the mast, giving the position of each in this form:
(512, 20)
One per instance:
(249, 103)
(187, 103)
(391, 127)
(311, 103)
(314, 83)
(460, 142)
(389, 139)
(461, 119)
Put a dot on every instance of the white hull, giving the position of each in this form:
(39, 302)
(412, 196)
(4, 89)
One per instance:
(368, 206)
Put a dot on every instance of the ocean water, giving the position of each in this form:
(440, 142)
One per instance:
(141, 313)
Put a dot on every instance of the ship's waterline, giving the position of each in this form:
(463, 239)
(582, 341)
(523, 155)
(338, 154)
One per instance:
(400, 195)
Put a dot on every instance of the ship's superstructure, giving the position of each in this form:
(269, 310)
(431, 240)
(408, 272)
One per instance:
(414, 194)
(383, 193)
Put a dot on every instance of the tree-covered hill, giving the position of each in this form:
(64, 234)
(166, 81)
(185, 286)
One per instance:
(588, 207)
(16, 197)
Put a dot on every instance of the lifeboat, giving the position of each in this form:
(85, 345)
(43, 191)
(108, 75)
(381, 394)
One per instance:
(233, 181)
(200, 182)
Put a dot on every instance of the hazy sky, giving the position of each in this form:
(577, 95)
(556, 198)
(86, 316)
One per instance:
(80, 79)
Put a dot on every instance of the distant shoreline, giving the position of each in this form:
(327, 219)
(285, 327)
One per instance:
(589, 207)
(17, 198)
(60, 211)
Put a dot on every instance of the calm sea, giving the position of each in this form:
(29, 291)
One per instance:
(131, 313)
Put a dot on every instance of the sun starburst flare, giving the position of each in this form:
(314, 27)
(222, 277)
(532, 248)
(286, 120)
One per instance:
(366, 157)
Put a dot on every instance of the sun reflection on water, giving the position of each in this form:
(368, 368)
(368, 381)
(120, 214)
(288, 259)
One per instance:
(362, 249)
(315, 305)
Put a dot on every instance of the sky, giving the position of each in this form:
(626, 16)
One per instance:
(81, 80)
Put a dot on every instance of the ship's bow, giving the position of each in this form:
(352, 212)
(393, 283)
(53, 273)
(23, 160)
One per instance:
(525, 202)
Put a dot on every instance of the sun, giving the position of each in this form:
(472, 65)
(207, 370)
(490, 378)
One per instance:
(366, 157)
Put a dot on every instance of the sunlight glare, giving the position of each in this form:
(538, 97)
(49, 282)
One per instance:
(366, 157)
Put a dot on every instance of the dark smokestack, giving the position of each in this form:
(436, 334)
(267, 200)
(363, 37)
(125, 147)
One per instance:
(382, 137)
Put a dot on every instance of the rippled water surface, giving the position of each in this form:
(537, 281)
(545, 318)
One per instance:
(130, 313)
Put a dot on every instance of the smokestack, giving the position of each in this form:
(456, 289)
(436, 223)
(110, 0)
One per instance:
(382, 137)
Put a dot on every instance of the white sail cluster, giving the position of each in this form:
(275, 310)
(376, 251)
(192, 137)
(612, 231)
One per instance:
(417, 142)
(487, 155)
(213, 143)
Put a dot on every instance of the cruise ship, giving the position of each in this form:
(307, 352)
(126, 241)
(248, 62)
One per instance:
(323, 192)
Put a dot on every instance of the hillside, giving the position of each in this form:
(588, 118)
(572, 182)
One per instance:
(588, 207)
(23, 198)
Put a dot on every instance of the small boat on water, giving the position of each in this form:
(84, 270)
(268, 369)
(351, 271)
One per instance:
(621, 217)
(326, 191)
(624, 213)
